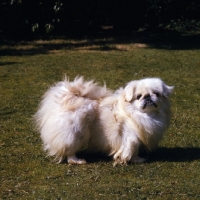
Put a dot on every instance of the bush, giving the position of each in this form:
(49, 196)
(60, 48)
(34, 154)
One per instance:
(20, 17)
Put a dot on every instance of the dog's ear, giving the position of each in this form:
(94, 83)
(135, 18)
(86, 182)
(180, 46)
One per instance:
(130, 90)
(167, 90)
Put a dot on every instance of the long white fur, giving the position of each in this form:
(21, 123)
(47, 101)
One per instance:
(81, 113)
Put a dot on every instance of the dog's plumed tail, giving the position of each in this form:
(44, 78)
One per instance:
(87, 89)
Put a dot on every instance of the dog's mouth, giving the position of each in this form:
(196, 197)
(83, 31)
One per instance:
(149, 103)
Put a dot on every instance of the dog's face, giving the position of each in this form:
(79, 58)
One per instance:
(147, 95)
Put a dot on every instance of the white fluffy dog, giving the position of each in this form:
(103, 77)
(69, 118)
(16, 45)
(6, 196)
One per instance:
(78, 114)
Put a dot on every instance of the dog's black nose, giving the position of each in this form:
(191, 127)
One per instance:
(147, 97)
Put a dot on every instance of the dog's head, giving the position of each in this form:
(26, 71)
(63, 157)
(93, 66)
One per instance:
(148, 94)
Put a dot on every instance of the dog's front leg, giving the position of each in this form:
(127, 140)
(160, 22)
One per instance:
(128, 150)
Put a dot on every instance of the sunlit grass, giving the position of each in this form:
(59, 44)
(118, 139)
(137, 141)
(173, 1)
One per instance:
(172, 172)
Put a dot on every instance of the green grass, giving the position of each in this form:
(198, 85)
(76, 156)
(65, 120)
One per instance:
(28, 69)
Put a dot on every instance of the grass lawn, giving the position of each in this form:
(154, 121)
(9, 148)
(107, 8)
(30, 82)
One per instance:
(27, 69)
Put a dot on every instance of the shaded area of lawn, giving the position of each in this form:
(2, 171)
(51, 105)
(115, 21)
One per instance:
(169, 40)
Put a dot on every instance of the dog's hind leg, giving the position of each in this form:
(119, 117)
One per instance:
(74, 160)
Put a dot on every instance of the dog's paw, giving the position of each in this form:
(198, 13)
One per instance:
(121, 158)
(137, 159)
(75, 160)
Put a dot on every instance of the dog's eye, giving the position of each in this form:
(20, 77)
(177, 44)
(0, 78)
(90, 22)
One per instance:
(157, 94)
(139, 96)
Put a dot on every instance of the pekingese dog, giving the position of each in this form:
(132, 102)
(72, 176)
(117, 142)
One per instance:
(78, 114)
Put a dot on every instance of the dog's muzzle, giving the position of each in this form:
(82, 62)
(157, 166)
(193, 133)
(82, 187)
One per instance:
(149, 102)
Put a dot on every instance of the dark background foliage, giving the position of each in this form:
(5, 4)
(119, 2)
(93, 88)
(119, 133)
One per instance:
(19, 18)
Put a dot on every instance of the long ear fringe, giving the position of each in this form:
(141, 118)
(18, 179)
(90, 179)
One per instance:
(167, 90)
(129, 90)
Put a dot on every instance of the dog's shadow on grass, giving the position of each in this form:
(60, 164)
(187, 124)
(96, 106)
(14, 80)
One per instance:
(176, 154)
(162, 154)
(94, 157)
